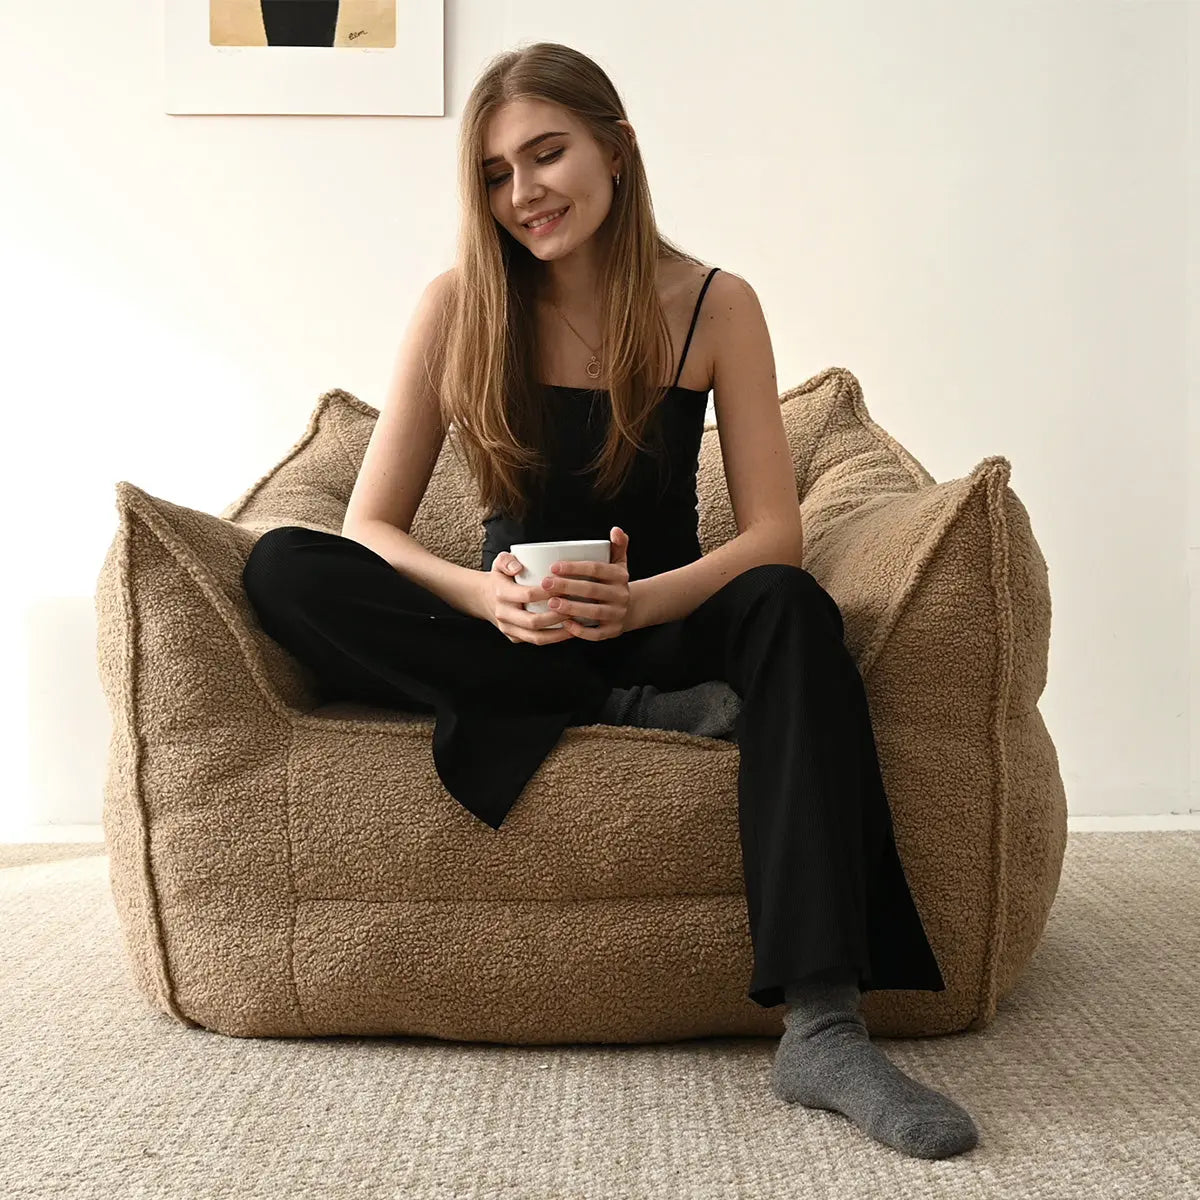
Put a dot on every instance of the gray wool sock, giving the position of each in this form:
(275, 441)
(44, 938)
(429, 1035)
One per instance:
(708, 709)
(827, 1060)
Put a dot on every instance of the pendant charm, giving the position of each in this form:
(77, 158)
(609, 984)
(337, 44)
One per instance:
(593, 368)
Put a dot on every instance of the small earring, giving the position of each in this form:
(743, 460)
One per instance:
(617, 179)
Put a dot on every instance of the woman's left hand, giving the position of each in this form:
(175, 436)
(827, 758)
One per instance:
(597, 592)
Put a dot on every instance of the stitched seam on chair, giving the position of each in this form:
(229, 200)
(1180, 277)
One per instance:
(421, 729)
(234, 511)
(574, 901)
(918, 563)
(964, 493)
(899, 454)
(232, 619)
(991, 476)
(996, 485)
(252, 658)
(293, 906)
(1025, 712)
(146, 866)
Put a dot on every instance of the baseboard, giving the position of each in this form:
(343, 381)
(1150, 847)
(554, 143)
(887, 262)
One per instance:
(43, 834)
(1134, 824)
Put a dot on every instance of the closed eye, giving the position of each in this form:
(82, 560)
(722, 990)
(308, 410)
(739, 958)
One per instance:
(546, 158)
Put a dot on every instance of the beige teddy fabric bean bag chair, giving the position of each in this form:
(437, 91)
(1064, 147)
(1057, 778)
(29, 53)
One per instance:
(283, 867)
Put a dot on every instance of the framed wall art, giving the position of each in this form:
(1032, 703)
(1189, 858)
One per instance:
(337, 57)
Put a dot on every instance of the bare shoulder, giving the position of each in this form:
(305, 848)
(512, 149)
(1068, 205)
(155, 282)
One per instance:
(740, 341)
(682, 281)
(731, 303)
(438, 301)
(728, 287)
(728, 303)
(444, 283)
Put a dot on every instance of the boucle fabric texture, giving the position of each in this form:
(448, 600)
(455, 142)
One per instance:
(283, 867)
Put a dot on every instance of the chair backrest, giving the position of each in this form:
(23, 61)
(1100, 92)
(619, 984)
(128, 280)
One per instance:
(842, 461)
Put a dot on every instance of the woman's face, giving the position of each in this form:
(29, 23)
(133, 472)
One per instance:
(567, 170)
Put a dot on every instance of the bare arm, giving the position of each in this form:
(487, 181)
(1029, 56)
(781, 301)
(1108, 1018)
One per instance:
(673, 595)
(400, 459)
(460, 587)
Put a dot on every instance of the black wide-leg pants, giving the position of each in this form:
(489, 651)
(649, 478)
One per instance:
(825, 887)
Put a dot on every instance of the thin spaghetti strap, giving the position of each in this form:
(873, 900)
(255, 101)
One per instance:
(695, 315)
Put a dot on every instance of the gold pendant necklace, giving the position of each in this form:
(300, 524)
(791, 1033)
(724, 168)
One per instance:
(593, 366)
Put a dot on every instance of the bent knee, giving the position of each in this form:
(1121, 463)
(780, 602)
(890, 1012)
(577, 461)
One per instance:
(279, 564)
(790, 584)
(777, 576)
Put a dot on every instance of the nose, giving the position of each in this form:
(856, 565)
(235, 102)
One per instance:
(526, 204)
(523, 197)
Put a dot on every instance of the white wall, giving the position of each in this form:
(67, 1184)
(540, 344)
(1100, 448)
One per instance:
(981, 210)
(1190, 357)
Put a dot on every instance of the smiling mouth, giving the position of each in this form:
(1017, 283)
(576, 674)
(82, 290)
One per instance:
(550, 221)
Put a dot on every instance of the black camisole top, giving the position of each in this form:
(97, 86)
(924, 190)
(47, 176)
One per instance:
(657, 505)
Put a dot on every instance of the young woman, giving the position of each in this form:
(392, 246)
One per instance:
(549, 354)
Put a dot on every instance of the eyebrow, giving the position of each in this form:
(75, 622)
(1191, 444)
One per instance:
(533, 141)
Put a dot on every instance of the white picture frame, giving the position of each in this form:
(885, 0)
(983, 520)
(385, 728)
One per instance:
(386, 58)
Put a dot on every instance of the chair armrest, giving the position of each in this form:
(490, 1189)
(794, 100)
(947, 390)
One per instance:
(175, 629)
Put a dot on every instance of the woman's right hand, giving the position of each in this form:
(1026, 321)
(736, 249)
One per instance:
(503, 603)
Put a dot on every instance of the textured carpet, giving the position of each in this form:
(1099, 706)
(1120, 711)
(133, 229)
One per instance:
(1086, 1085)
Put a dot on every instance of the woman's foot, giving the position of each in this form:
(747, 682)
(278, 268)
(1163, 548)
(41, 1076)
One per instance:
(827, 1060)
(708, 709)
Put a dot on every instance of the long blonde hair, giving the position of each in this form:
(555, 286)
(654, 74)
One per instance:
(493, 408)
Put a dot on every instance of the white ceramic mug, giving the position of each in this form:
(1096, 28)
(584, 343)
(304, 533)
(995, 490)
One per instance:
(536, 559)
